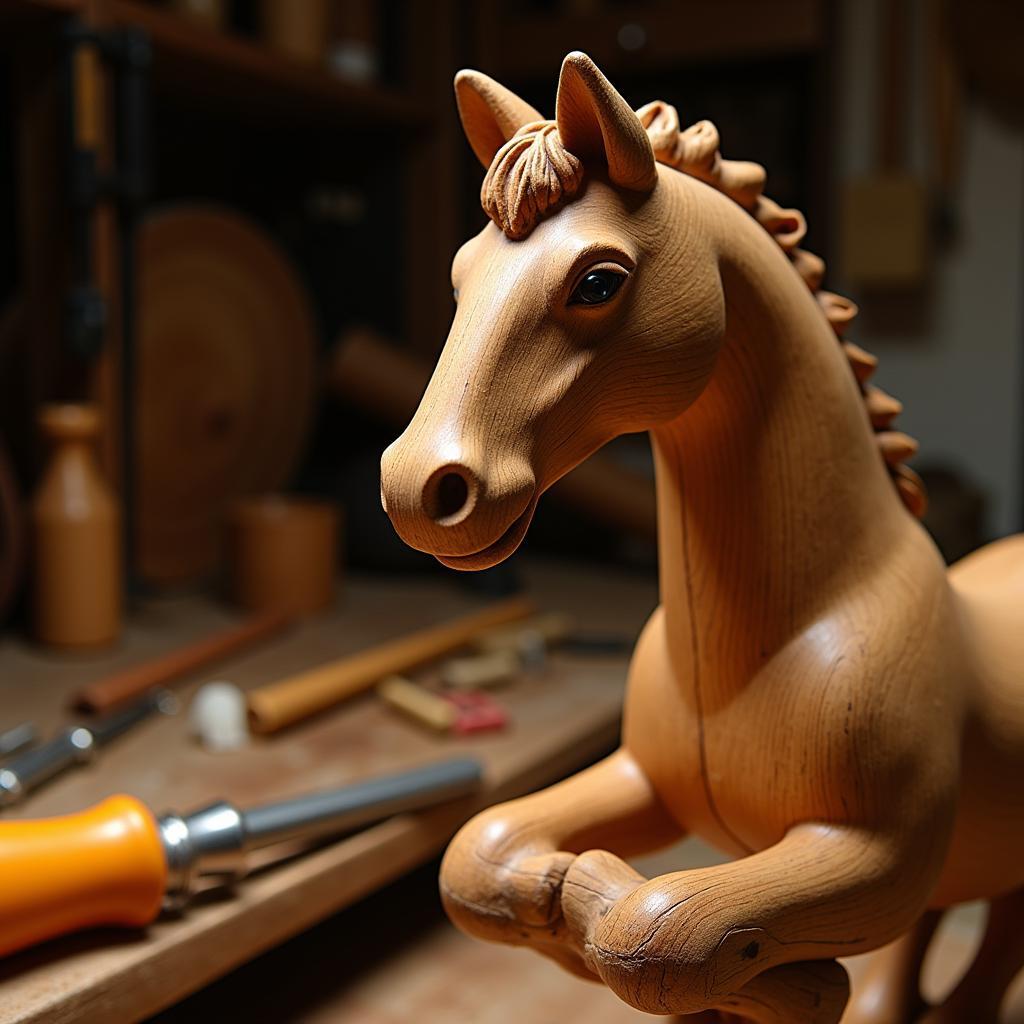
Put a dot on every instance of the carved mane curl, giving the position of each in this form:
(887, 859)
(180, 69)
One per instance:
(529, 175)
(696, 152)
(533, 172)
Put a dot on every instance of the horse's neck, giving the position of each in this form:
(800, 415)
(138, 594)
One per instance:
(772, 496)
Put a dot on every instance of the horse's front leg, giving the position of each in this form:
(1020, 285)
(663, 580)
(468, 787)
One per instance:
(501, 877)
(743, 933)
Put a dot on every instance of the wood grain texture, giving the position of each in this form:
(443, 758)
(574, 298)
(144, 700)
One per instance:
(560, 721)
(816, 695)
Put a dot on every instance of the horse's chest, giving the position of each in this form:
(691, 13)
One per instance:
(736, 773)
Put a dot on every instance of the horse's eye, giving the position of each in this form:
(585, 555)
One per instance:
(598, 286)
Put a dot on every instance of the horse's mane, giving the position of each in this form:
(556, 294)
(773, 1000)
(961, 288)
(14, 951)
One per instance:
(533, 172)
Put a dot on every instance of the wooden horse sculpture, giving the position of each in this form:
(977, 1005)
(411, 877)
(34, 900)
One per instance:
(816, 694)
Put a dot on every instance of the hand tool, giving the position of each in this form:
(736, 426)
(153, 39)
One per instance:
(278, 705)
(77, 744)
(551, 628)
(123, 686)
(115, 863)
(418, 703)
(482, 670)
(17, 738)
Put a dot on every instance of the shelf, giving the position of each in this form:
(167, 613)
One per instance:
(23, 10)
(671, 35)
(222, 68)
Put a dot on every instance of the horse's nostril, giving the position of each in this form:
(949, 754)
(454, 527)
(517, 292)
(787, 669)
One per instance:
(449, 496)
(452, 493)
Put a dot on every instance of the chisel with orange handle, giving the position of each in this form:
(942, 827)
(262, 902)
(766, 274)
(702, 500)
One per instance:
(118, 864)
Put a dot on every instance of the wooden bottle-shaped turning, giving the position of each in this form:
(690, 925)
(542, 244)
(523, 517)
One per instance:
(76, 537)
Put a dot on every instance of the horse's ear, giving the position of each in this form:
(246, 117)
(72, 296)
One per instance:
(490, 113)
(594, 120)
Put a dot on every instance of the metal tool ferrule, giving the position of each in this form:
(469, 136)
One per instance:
(212, 841)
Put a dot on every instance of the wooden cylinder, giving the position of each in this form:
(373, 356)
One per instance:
(132, 682)
(76, 546)
(281, 704)
(297, 28)
(283, 554)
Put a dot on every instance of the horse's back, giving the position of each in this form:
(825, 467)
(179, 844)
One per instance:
(997, 570)
(989, 844)
(990, 587)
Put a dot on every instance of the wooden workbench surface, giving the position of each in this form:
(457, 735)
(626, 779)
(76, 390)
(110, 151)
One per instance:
(394, 958)
(561, 719)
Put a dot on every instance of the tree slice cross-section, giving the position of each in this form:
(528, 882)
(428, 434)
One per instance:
(227, 349)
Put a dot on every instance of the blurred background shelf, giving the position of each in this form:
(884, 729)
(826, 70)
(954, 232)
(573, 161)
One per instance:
(223, 67)
(650, 36)
(22, 9)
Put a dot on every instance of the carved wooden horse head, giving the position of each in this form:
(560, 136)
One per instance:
(572, 329)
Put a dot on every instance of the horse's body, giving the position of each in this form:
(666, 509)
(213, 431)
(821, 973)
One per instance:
(815, 695)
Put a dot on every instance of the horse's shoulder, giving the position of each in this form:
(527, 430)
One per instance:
(880, 701)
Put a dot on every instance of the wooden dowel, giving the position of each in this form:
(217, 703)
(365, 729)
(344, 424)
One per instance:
(122, 687)
(290, 700)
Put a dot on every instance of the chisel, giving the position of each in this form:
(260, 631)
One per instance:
(76, 744)
(118, 864)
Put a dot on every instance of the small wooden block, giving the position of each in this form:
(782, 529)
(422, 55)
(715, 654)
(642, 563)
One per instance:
(418, 703)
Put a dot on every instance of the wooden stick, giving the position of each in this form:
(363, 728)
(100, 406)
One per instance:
(290, 700)
(117, 689)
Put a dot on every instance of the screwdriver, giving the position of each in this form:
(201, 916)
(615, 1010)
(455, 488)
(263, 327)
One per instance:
(117, 864)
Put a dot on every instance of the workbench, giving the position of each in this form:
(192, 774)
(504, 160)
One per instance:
(562, 718)
(394, 959)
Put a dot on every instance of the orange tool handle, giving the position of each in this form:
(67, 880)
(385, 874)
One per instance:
(104, 865)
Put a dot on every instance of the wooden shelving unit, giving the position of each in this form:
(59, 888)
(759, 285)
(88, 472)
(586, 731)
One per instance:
(13, 10)
(674, 33)
(245, 82)
(219, 66)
